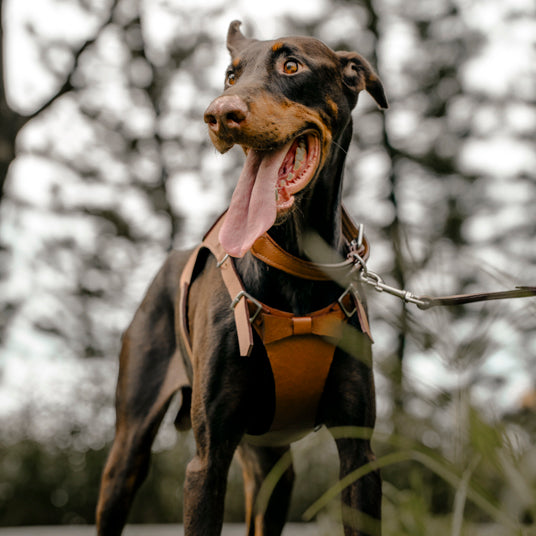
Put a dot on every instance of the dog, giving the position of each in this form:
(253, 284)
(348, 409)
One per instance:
(247, 329)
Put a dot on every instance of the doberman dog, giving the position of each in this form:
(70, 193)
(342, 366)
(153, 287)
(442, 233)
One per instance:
(230, 327)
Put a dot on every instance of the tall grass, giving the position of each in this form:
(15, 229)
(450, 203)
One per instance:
(490, 489)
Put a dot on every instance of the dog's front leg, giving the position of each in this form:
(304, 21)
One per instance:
(348, 409)
(361, 500)
(218, 404)
(151, 371)
(217, 430)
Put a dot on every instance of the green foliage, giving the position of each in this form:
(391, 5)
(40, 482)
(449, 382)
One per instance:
(490, 482)
(43, 485)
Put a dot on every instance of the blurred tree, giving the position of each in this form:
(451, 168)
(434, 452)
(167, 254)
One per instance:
(12, 121)
(450, 212)
(112, 143)
(112, 167)
(9, 120)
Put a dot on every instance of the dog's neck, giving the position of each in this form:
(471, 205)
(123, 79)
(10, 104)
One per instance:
(318, 210)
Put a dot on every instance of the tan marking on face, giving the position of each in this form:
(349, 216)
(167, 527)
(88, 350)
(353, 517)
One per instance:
(333, 107)
(286, 118)
(272, 123)
(277, 46)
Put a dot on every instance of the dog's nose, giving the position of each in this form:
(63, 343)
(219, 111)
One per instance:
(227, 112)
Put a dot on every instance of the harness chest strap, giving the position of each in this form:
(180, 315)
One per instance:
(300, 351)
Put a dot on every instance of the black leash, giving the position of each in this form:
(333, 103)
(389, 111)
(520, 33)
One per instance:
(426, 302)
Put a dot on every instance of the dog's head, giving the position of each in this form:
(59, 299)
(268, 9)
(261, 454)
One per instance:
(285, 102)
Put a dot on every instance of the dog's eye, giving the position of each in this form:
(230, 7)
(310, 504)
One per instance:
(231, 78)
(291, 67)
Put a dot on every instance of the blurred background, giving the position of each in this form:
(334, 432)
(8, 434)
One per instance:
(105, 164)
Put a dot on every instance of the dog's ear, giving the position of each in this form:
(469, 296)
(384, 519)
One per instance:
(236, 40)
(358, 75)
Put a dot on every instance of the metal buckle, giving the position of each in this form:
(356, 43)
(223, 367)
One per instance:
(350, 290)
(358, 263)
(257, 303)
(218, 265)
(356, 243)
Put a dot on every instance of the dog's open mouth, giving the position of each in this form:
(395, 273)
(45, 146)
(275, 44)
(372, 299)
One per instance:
(297, 170)
(267, 185)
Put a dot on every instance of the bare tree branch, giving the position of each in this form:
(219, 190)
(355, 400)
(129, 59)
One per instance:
(68, 84)
(11, 122)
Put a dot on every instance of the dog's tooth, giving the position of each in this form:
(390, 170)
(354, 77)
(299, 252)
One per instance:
(300, 155)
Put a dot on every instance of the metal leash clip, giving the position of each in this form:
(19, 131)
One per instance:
(374, 280)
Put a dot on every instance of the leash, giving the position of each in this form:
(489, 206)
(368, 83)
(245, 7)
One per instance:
(268, 251)
(426, 302)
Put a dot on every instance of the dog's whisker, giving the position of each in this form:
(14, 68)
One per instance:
(339, 146)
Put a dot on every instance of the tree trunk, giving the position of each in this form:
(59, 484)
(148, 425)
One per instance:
(10, 121)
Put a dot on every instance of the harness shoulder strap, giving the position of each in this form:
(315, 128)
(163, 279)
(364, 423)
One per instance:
(235, 288)
(232, 282)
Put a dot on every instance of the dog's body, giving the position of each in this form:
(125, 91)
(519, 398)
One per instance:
(288, 104)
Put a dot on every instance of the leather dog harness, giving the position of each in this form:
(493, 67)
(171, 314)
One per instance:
(300, 348)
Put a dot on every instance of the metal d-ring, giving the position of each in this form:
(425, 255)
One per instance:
(257, 303)
(350, 290)
(218, 265)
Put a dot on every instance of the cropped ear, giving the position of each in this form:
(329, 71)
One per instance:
(236, 40)
(357, 74)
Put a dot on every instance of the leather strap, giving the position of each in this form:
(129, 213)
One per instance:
(269, 252)
(184, 285)
(274, 325)
(234, 286)
(460, 299)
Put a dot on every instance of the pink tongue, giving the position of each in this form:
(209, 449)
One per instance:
(253, 208)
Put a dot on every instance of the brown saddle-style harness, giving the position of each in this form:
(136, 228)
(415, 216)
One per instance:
(300, 348)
